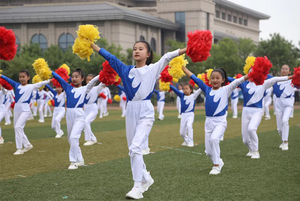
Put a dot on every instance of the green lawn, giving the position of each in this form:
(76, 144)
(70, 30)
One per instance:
(180, 173)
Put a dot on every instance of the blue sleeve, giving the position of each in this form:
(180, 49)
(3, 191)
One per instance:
(230, 79)
(269, 76)
(176, 85)
(61, 81)
(177, 92)
(200, 83)
(113, 61)
(51, 89)
(155, 91)
(121, 88)
(10, 81)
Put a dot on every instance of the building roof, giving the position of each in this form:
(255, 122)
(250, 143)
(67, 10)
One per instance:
(80, 12)
(250, 12)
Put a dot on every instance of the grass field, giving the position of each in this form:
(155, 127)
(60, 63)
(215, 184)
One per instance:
(180, 173)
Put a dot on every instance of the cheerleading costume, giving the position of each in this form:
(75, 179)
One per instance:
(234, 102)
(9, 100)
(3, 112)
(103, 102)
(122, 101)
(47, 109)
(178, 106)
(161, 97)
(40, 97)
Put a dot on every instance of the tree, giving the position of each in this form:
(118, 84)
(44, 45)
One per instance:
(245, 48)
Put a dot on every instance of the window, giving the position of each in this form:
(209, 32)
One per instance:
(223, 16)
(65, 40)
(217, 14)
(245, 22)
(18, 43)
(229, 17)
(207, 21)
(41, 40)
(180, 19)
(240, 21)
(153, 44)
(234, 19)
(142, 38)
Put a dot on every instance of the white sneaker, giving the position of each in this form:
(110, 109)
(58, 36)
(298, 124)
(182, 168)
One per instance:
(145, 186)
(73, 166)
(106, 114)
(285, 147)
(222, 138)
(45, 115)
(80, 163)
(221, 164)
(100, 117)
(1, 140)
(267, 118)
(255, 155)
(190, 145)
(58, 135)
(50, 115)
(179, 116)
(135, 193)
(234, 117)
(27, 148)
(184, 144)
(250, 153)
(215, 170)
(280, 146)
(19, 152)
(30, 118)
(146, 151)
(6, 124)
(41, 121)
(89, 143)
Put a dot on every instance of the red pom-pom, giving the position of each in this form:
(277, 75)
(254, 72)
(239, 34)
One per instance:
(102, 95)
(260, 70)
(124, 98)
(165, 76)
(238, 76)
(296, 77)
(107, 75)
(199, 45)
(8, 47)
(109, 101)
(118, 82)
(5, 84)
(52, 102)
(12, 105)
(191, 82)
(63, 73)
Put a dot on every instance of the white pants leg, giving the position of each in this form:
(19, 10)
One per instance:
(90, 113)
(40, 105)
(267, 103)
(214, 130)
(48, 109)
(282, 117)
(20, 119)
(234, 103)
(186, 127)
(8, 113)
(102, 103)
(58, 114)
(34, 110)
(160, 108)
(251, 118)
(178, 105)
(2, 115)
(123, 107)
(45, 107)
(75, 125)
(105, 106)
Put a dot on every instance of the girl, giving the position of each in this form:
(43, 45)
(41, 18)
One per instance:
(139, 82)
(3, 111)
(49, 96)
(216, 106)
(23, 92)
(9, 100)
(188, 101)
(59, 109)
(179, 87)
(234, 102)
(161, 96)
(103, 102)
(40, 97)
(123, 100)
(284, 92)
(75, 114)
(91, 110)
(267, 102)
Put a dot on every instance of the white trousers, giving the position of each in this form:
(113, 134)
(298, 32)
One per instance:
(234, 103)
(251, 118)
(178, 105)
(186, 127)
(123, 107)
(20, 118)
(283, 114)
(214, 130)
(139, 122)
(266, 104)
(90, 114)
(8, 113)
(2, 115)
(75, 125)
(40, 105)
(102, 107)
(34, 109)
(160, 109)
(47, 109)
(58, 114)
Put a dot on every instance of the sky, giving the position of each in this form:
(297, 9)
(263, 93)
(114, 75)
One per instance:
(285, 17)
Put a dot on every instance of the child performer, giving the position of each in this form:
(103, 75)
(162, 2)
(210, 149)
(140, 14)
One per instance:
(106, 101)
(123, 100)
(40, 97)
(22, 112)
(9, 100)
(188, 102)
(59, 109)
(267, 102)
(160, 103)
(234, 102)
(49, 96)
(3, 111)
(284, 92)
(103, 102)
(178, 101)
(91, 110)
(139, 82)
(216, 106)
(75, 114)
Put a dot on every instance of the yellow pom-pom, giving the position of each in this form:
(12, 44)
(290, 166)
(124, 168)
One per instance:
(117, 98)
(176, 67)
(164, 86)
(209, 71)
(248, 63)
(49, 103)
(201, 76)
(89, 32)
(36, 79)
(175, 80)
(42, 69)
(35, 103)
(1, 71)
(65, 66)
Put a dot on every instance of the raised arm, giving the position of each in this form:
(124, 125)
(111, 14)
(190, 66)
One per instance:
(233, 85)
(197, 93)
(198, 81)
(61, 81)
(100, 87)
(4, 91)
(177, 92)
(40, 84)
(51, 89)
(10, 81)
(270, 82)
(92, 83)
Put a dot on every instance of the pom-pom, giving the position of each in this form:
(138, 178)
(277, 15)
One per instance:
(239, 75)
(165, 76)
(199, 45)
(102, 95)
(8, 47)
(175, 80)
(12, 105)
(248, 64)
(87, 35)
(49, 103)
(176, 67)
(191, 82)
(35, 104)
(208, 73)
(36, 79)
(204, 78)
(164, 86)
(109, 101)
(124, 98)
(5, 84)
(117, 98)
(118, 80)
(65, 66)
(260, 70)
(107, 75)
(42, 69)
(296, 77)
(63, 73)
(52, 102)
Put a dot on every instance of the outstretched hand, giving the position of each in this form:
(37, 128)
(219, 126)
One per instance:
(95, 47)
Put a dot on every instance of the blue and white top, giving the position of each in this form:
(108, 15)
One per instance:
(92, 96)
(284, 91)
(138, 82)
(235, 93)
(75, 96)
(41, 95)
(216, 103)
(3, 99)
(59, 99)
(187, 102)
(161, 95)
(23, 94)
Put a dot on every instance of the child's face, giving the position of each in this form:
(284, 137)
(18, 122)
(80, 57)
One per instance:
(140, 52)
(59, 89)
(187, 90)
(285, 70)
(88, 79)
(23, 78)
(179, 87)
(76, 79)
(216, 80)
